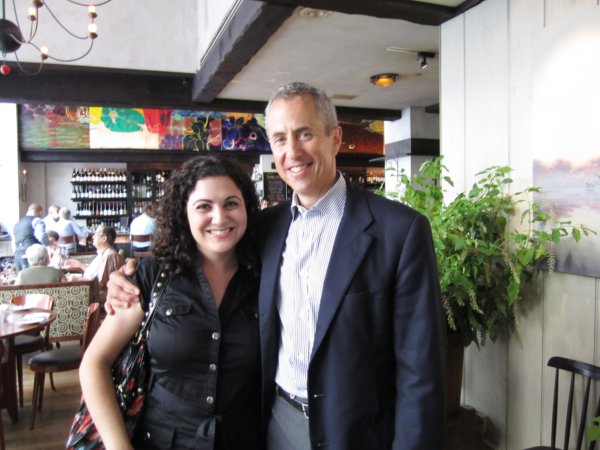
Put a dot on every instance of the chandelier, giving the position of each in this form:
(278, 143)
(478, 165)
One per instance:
(12, 38)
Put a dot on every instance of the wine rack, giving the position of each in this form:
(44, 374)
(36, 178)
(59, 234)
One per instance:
(100, 196)
(114, 196)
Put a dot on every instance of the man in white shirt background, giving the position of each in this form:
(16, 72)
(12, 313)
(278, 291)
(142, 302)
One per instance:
(143, 224)
(52, 217)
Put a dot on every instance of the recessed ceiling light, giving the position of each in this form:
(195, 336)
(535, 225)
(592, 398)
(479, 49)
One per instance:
(384, 79)
(342, 97)
(312, 13)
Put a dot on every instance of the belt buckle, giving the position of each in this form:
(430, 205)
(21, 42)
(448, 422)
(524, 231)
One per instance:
(304, 409)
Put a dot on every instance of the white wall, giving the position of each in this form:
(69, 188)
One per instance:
(148, 35)
(9, 166)
(490, 83)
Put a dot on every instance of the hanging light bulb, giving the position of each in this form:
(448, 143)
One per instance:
(11, 37)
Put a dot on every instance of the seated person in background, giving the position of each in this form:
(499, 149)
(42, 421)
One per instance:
(65, 227)
(264, 203)
(145, 223)
(107, 260)
(4, 234)
(53, 249)
(38, 270)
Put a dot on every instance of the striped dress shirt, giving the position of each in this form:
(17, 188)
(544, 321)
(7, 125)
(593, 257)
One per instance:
(306, 256)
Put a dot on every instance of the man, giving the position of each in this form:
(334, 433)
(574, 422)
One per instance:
(29, 230)
(143, 224)
(106, 261)
(351, 327)
(52, 217)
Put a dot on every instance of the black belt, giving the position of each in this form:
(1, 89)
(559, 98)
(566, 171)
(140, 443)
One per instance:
(291, 399)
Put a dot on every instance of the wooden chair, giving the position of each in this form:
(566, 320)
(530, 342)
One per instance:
(29, 343)
(65, 358)
(585, 374)
(70, 241)
(2, 367)
(136, 252)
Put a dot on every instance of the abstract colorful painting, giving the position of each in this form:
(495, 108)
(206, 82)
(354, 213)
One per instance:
(48, 126)
(364, 136)
(95, 127)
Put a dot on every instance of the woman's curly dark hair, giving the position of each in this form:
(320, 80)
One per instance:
(174, 245)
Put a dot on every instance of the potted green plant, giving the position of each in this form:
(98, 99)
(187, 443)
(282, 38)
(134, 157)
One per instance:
(484, 260)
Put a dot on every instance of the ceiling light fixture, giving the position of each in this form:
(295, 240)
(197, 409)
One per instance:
(312, 13)
(384, 79)
(421, 55)
(422, 58)
(11, 37)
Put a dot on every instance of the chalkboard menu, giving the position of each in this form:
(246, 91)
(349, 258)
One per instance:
(274, 188)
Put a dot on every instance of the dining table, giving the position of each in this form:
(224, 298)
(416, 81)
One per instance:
(16, 322)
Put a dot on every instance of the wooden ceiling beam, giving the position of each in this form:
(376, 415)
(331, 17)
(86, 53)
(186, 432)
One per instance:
(411, 11)
(87, 86)
(247, 30)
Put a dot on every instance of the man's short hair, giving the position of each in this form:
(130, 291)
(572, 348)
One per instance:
(109, 232)
(324, 107)
(34, 208)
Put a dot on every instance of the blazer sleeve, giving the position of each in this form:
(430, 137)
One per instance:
(419, 344)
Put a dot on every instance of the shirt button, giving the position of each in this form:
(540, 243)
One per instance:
(169, 312)
(212, 367)
(216, 335)
(210, 400)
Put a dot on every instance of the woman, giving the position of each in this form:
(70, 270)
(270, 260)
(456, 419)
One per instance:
(203, 341)
(38, 271)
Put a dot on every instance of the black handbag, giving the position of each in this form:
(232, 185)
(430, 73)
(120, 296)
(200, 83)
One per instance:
(130, 376)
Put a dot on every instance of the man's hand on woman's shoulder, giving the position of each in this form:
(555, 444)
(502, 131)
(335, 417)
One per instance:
(121, 292)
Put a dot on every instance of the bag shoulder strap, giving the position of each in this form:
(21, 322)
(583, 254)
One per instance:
(160, 283)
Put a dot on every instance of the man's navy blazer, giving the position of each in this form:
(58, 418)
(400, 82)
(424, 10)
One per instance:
(376, 378)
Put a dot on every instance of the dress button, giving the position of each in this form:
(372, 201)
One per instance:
(169, 312)
(216, 335)
(210, 400)
(212, 367)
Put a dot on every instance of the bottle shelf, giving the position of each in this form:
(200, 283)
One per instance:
(100, 199)
(122, 191)
(95, 183)
(99, 216)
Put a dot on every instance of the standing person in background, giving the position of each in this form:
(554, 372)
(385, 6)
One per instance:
(143, 224)
(65, 227)
(352, 331)
(38, 270)
(52, 217)
(29, 230)
(203, 341)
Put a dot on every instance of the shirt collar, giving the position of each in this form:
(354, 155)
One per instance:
(331, 203)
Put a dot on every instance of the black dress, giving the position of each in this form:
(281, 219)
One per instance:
(205, 364)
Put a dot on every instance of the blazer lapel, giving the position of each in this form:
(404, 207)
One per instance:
(350, 247)
(271, 254)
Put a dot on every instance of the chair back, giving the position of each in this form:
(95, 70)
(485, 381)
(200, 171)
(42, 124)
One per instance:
(67, 239)
(35, 300)
(587, 372)
(43, 301)
(139, 252)
(92, 322)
